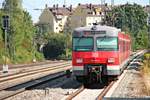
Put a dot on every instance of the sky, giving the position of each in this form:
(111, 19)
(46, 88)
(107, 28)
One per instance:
(31, 5)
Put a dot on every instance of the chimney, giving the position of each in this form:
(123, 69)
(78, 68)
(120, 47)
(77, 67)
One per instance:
(64, 6)
(70, 8)
(90, 6)
(46, 6)
(57, 6)
(54, 6)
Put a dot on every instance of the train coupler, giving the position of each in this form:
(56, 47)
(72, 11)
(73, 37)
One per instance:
(95, 74)
(98, 76)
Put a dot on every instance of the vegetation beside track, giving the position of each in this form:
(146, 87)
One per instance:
(146, 66)
(146, 71)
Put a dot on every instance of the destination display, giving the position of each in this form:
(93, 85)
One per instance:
(87, 33)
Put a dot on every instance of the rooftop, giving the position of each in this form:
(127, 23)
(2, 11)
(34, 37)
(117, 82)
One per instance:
(56, 10)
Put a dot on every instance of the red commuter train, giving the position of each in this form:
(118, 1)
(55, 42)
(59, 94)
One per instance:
(99, 52)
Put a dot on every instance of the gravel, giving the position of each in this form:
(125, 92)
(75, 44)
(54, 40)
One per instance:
(53, 90)
(132, 84)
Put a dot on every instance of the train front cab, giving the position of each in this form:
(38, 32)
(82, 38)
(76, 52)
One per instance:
(107, 60)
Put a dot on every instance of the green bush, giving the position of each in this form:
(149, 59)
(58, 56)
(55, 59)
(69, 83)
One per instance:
(39, 56)
(55, 46)
(65, 56)
(58, 46)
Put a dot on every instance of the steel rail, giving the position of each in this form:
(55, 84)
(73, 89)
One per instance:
(70, 97)
(106, 89)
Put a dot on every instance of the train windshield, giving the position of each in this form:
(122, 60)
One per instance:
(83, 44)
(107, 43)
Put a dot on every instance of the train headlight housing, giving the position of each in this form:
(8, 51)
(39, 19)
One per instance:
(79, 60)
(111, 60)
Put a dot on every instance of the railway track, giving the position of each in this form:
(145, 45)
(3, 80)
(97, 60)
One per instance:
(100, 93)
(30, 78)
(11, 90)
(37, 67)
(32, 84)
(10, 81)
(24, 70)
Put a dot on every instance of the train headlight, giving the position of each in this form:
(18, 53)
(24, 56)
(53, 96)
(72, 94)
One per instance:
(111, 60)
(79, 60)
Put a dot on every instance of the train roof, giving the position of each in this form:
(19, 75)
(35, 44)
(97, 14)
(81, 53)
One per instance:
(110, 31)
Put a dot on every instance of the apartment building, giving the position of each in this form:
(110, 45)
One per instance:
(53, 19)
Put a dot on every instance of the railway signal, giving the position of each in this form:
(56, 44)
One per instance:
(5, 26)
(5, 22)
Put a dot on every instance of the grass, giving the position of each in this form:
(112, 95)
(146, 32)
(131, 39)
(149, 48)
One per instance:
(146, 64)
(146, 71)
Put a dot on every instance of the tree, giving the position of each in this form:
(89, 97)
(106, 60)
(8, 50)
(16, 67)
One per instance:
(21, 33)
(142, 39)
(132, 19)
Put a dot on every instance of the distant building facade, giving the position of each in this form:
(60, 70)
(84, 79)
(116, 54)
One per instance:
(147, 10)
(57, 19)
(53, 19)
(87, 15)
